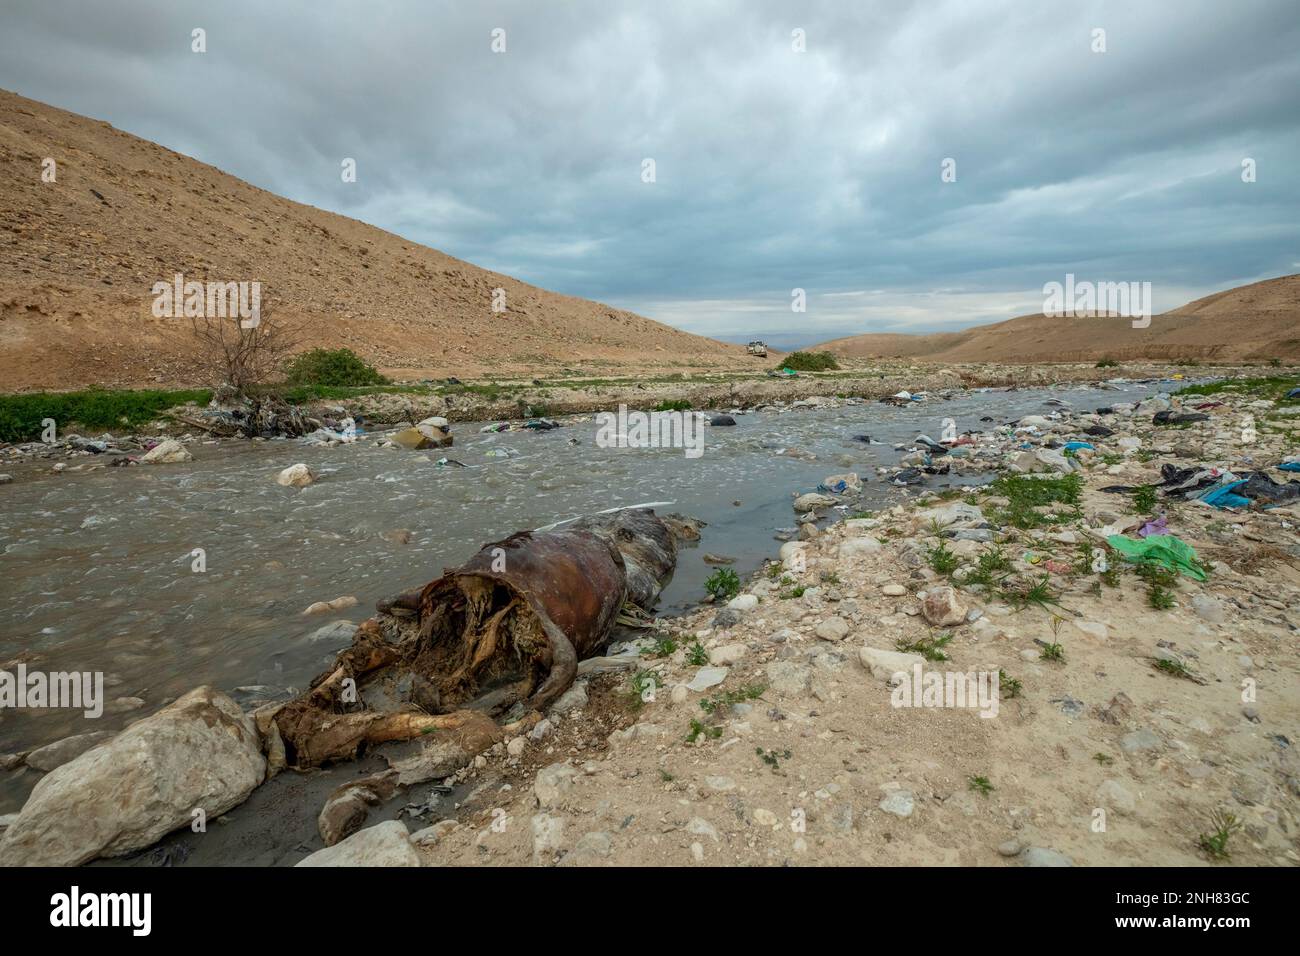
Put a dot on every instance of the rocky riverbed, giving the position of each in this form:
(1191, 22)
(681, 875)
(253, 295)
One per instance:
(799, 755)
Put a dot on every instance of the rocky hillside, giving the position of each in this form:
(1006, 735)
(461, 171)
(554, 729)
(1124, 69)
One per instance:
(79, 257)
(1251, 323)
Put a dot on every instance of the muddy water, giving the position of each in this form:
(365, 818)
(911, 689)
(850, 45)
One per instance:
(97, 567)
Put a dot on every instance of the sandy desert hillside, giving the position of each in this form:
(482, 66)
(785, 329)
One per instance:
(1249, 323)
(79, 257)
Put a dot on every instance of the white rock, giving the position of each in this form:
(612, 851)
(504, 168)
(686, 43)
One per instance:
(295, 476)
(1209, 609)
(385, 844)
(634, 733)
(900, 803)
(548, 836)
(167, 452)
(856, 547)
(883, 665)
(1094, 629)
(833, 629)
(727, 653)
(553, 782)
(743, 602)
(1113, 795)
(794, 556)
(707, 677)
(812, 501)
(575, 698)
(698, 826)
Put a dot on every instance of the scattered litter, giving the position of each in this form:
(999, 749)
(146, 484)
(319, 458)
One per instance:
(1166, 550)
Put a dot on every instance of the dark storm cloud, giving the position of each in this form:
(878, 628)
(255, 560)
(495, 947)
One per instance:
(775, 169)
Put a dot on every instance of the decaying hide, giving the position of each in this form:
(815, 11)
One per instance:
(497, 639)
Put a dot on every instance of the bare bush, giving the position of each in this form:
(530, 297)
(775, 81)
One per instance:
(241, 354)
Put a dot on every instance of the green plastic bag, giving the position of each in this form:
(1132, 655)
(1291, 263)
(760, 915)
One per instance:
(1167, 550)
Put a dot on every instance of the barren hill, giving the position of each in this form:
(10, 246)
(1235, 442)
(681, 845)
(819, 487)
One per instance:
(79, 257)
(1248, 323)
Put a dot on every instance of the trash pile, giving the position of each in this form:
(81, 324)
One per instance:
(230, 416)
(1221, 488)
(1119, 437)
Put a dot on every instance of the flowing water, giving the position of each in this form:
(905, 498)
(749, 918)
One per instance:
(98, 567)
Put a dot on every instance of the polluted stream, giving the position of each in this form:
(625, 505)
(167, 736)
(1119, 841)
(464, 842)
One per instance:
(101, 568)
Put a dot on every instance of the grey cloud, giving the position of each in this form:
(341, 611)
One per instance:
(775, 169)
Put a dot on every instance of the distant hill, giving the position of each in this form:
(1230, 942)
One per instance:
(1249, 323)
(79, 257)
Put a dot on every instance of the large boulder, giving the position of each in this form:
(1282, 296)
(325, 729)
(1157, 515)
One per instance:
(166, 452)
(422, 436)
(812, 501)
(199, 753)
(296, 476)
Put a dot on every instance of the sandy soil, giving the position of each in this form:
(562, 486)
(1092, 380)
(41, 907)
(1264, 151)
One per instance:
(1102, 758)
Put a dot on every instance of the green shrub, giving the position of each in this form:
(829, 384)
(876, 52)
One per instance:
(723, 584)
(92, 409)
(331, 367)
(809, 361)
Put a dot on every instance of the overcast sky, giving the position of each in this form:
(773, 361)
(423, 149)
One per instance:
(774, 169)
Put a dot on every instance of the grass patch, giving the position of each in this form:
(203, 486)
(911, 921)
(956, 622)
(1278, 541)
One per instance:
(673, 405)
(644, 684)
(1273, 387)
(91, 409)
(980, 785)
(991, 568)
(1026, 494)
(711, 705)
(664, 647)
(941, 559)
(1215, 844)
(1144, 499)
(696, 655)
(1039, 593)
(723, 584)
(931, 648)
(1175, 669)
(1161, 584)
(1008, 686)
(700, 729)
(772, 758)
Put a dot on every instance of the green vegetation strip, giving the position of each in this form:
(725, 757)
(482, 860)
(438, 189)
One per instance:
(93, 409)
